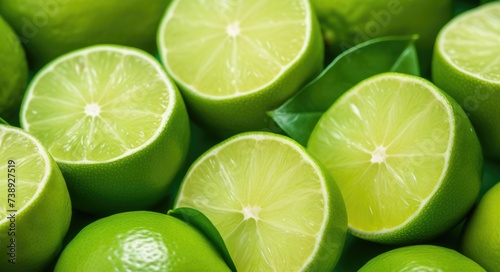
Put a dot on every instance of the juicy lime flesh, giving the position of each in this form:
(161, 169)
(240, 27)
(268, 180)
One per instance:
(265, 199)
(233, 47)
(472, 42)
(386, 145)
(21, 158)
(97, 105)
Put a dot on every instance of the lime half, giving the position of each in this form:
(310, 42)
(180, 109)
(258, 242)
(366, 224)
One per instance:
(36, 208)
(275, 207)
(235, 60)
(404, 155)
(113, 121)
(466, 65)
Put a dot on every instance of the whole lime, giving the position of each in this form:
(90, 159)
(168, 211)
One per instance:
(13, 72)
(140, 241)
(51, 28)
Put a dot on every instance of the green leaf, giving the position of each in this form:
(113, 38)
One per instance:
(3, 122)
(200, 222)
(298, 116)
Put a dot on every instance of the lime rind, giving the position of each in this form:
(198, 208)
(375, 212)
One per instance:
(76, 112)
(471, 42)
(231, 29)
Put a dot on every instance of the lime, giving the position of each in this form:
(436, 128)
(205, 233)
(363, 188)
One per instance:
(13, 73)
(466, 65)
(346, 23)
(421, 258)
(140, 241)
(481, 236)
(36, 208)
(236, 60)
(274, 205)
(404, 155)
(51, 28)
(113, 121)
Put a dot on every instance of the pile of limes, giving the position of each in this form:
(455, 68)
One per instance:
(137, 136)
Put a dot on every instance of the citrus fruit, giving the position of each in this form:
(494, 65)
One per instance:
(113, 121)
(273, 204)
(481, 237)
(346, 23)
(140, 241)
(13, 73)
(466, 65)
(421, 258)
(236, 60)
(404, 156)
(50, 28)
(36, 208)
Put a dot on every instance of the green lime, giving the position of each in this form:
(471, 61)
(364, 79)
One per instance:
(115, 124)
(273, 204)
(466, 65)
(421, 258)
(36, 208)
(481, 236)
(13, 73)
(49, 28)
(236, 60)
(346, 23)
(404, 155)
(140, 241)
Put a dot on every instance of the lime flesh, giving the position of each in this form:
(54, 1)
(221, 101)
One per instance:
(97, 105)
(270, 202)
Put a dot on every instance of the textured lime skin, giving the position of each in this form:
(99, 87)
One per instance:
(138, 181)
(481, 236)
(41, 226)
(335, 227)
(51, 28)
(421, 258)
(226, 116)
(13, 73)
(478, 97)
(140, 241)
(457, 193)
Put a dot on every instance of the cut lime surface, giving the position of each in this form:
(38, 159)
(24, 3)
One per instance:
(466, 65)
(36, 208)
(403, 154)
(274, 206)
(236, 60)
(109, 113)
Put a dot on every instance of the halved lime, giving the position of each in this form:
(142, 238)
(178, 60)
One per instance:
(36, 208)
(466, 65)
(113, 121)
(236, 60)
(275, 207)
(404, 155)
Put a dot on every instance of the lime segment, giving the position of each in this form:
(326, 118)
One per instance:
(272, 204)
